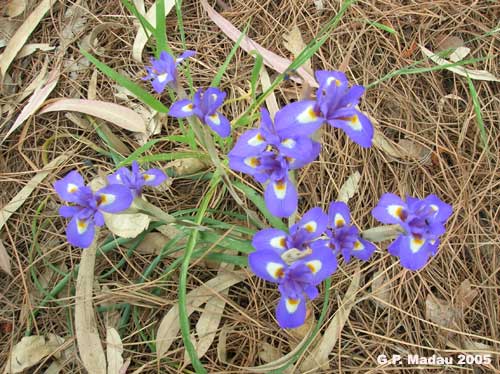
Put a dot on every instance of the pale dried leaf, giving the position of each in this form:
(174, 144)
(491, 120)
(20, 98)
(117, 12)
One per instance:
(114, 351)
(465, 295)
(271, 102)
(294, 254)
(26, 191)
(169, 326)
(415, 151)
(30, 351)
(381, 233)
(141, 38)
(442, 313)
(449, 42)
(350, 187)
(126, 225)
(482, 75)
(319, 355)
(319, 5)
(459, 54)
(380, 141)
(381, 291)
(29, 49)
(87, 335)
(114, 113)
(22, 34)
(74, 21)
(126, 364)
(268, 353)
(15, 8)
(271, 59)
(152, 243)
(92, 89)
(295, 44)
(208, 323)
(187, 166)
(36, 83)
(4, 259)
(35, 102)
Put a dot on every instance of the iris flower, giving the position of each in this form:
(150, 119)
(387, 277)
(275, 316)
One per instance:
(422, 221)
(135, 180)
(335, 104)
(87, 206)
(343, 237)
(163, 71)
(204, 105)
(268, 154)
(295, 282)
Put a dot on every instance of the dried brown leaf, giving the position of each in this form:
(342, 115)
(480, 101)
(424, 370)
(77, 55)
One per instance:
(4, 259)
(114, 351)
(271, 102)
(30, 351)
(187, 166)
(271, 59)
(169, 326)
(381, 233)
(295, 44)
(117, 114)
(481, 75)
(35, 102)
(319, 355)
(22, 34)
(465, 295)
(350, 187)
(381, 291)
(87, 335)
(15, 8)
(29, 49)
(26, 191)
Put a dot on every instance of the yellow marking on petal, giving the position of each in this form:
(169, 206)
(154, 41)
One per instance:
(331, 79)
(81, 226)
(292, 305)
(275, 270)
(187, 108)
(314, 266)
(72, 188)
(354, 123)
(434, 208)
(215, 119)
(416, 242)
(311, 226)
(148, 177)
(339, 220)
(253, 162)
(397, 211)
(105, 199)
(256, 140)
(290, 160)
(278, 242)
(358, 246)
(307, 116)
(280, 189)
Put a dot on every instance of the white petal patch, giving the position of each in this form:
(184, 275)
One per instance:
(332, 79)
(314, 265)
(395, 210)
(292, 305)
(310, 226)
(416, 244)
(280, 189)
(72, 188)
(288, 143)
(214, 118)
(256, 140)
(274, 269)
(81, 226)
(338, 220)
(354, 123)
(307, 116)
(162, 77)
(106, 199)
(148, 177)
(358, 246)
(188, 108)
(278, 242)
(251, 161)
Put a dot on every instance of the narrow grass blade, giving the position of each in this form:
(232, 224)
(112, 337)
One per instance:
(479, 116)
(138, 91)
(160, 31)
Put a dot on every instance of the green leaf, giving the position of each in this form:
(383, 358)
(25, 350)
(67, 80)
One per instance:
(160, 32)
(254, 80)
(479, 116)
(138, 91)
(144, 22)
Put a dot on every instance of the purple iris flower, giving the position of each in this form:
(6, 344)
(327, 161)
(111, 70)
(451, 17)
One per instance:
(135, 180)
(163, 71)
(269, 154)
(87, 206)
(343, 237)
(204, 105)
(295, 282)
(302, 235)
(422, 221)
(335, 104)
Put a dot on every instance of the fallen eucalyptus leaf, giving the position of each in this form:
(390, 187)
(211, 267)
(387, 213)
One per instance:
(30, 351)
